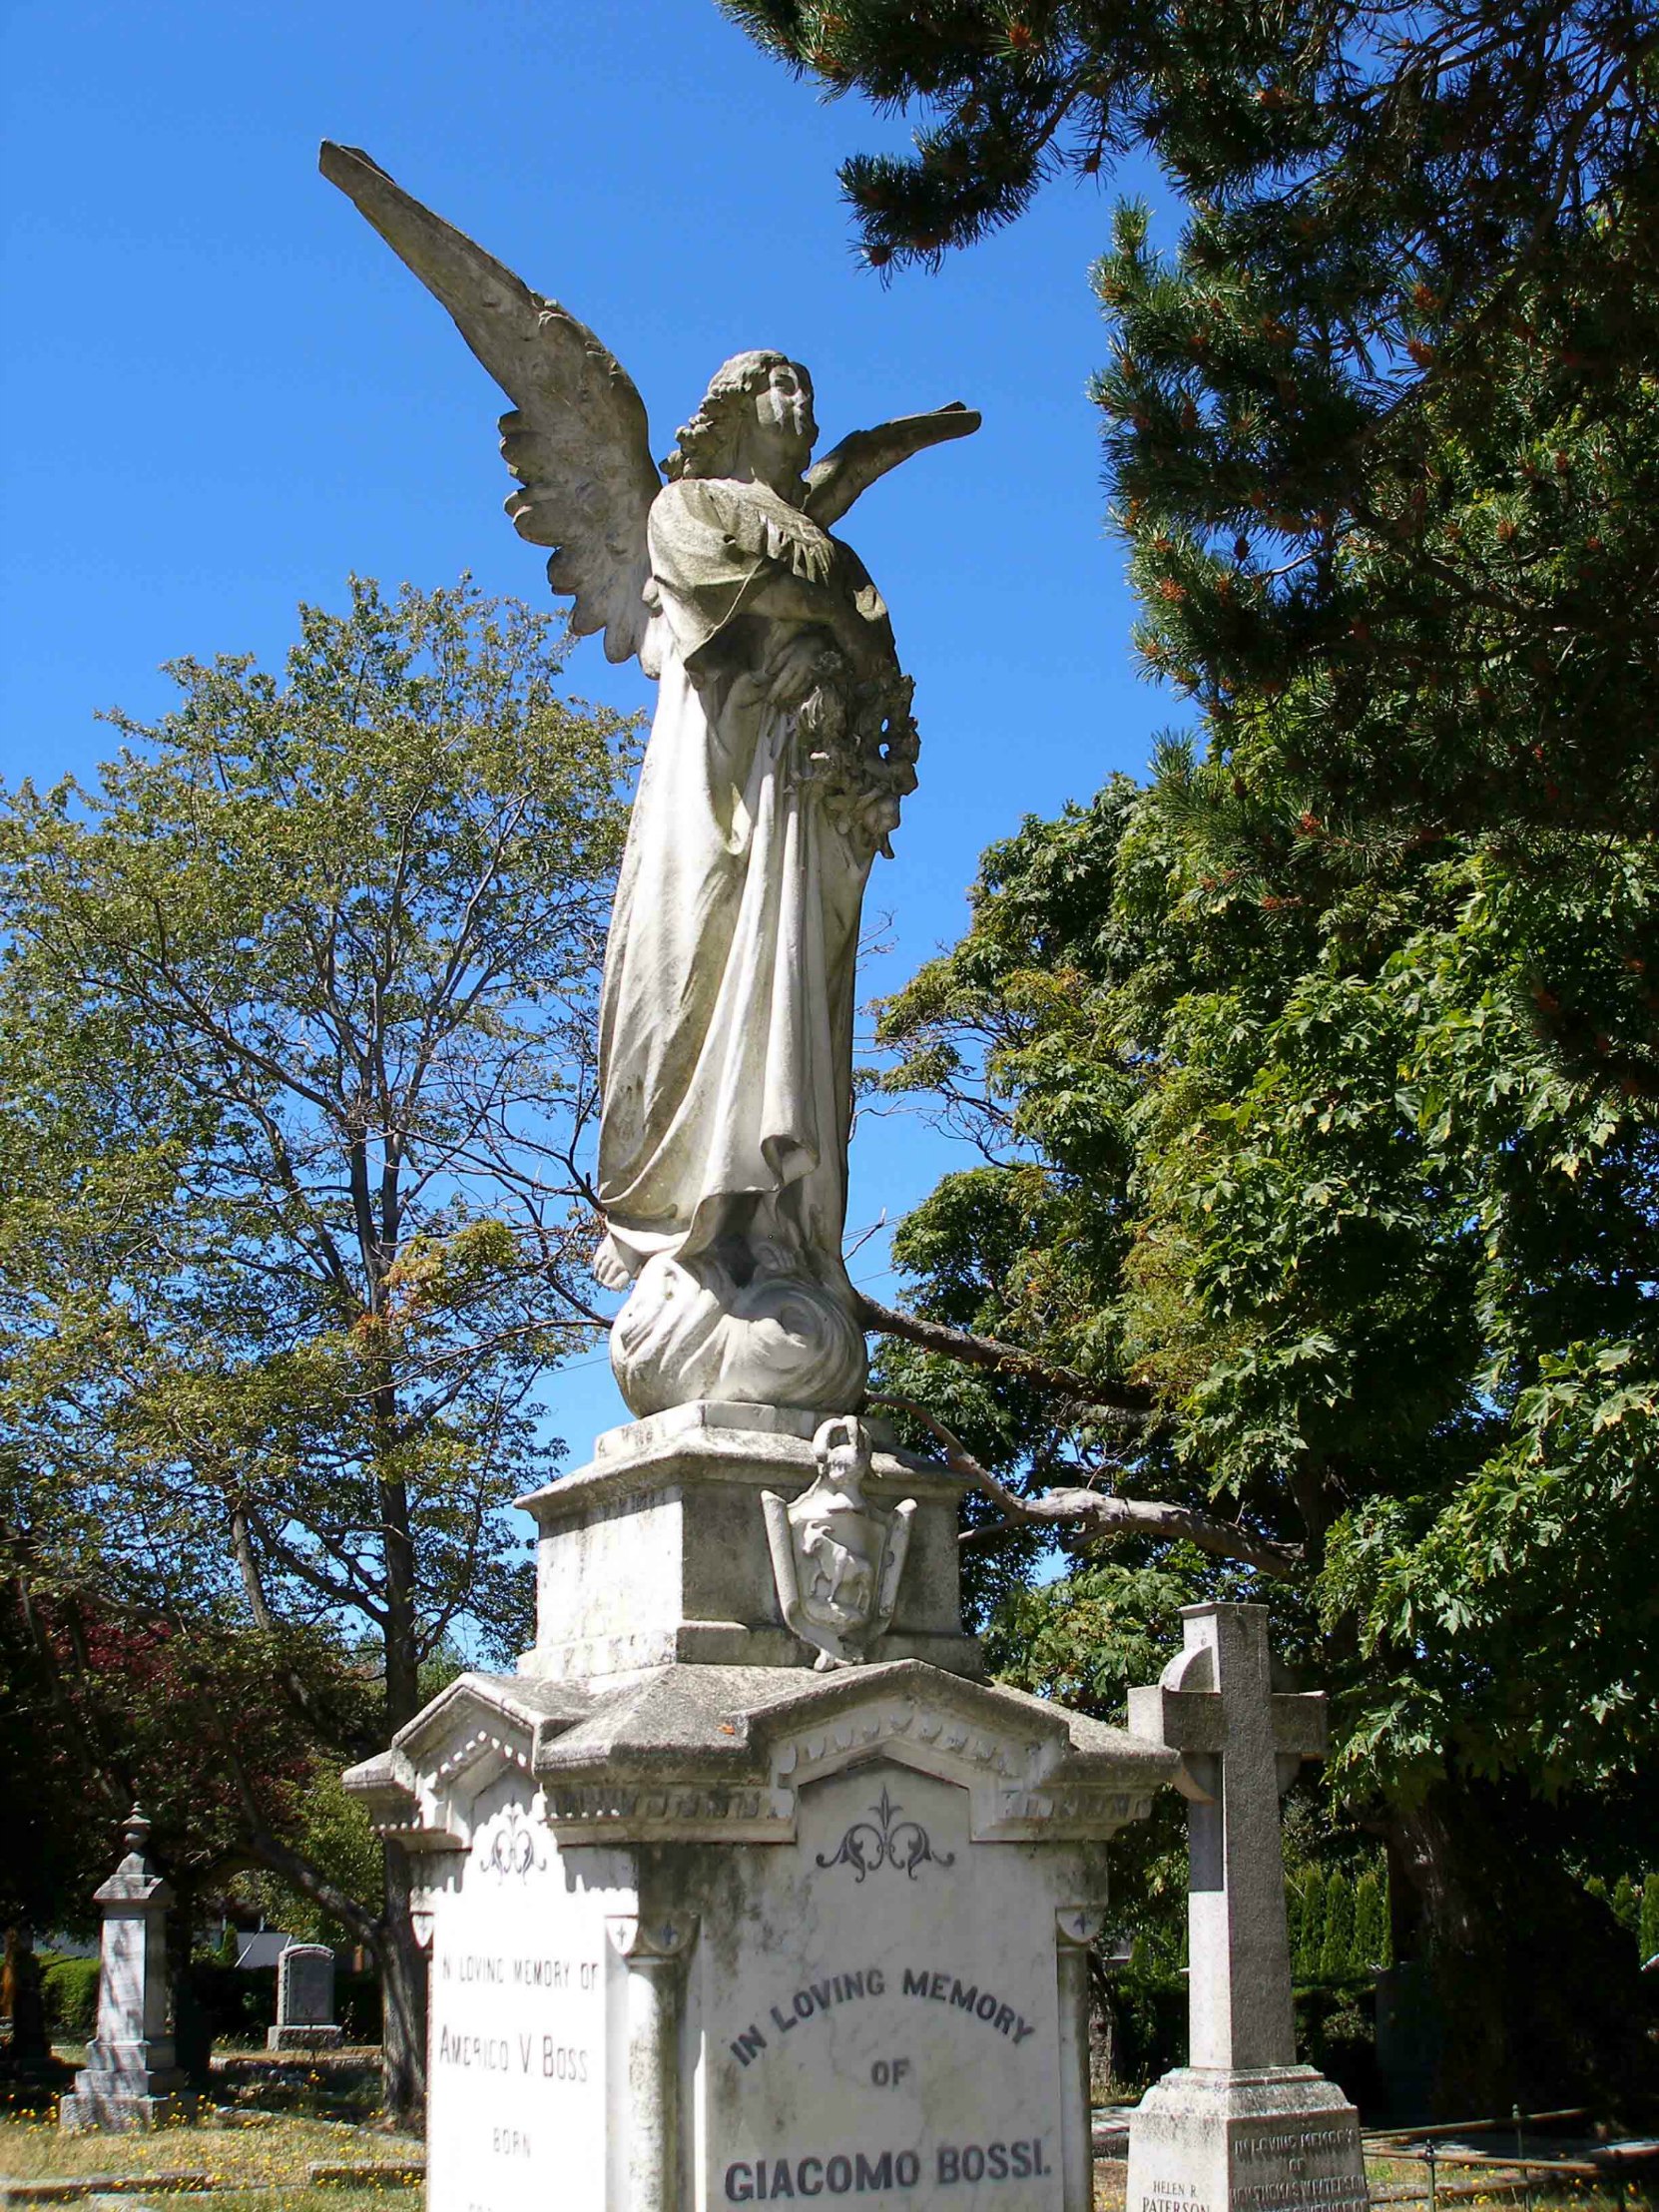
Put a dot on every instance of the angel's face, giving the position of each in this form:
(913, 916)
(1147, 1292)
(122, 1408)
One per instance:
(783, 414)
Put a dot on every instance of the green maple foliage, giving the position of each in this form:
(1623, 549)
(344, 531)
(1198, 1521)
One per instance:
(296, 1022)
(1309, 1168)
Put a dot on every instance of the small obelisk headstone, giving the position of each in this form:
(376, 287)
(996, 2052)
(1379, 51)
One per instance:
(304, 2000)
(131, 2080)
(1242, 2128)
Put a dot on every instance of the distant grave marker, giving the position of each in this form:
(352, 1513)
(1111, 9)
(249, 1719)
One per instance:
(131, 2078)
(304, 2000)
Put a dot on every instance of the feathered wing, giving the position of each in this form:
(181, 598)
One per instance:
(850, 468)
(576, 440)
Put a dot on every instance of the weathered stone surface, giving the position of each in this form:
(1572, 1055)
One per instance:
(1242, 2129)
(837, 1557)
(657, 1551)
(520, 2080)
(747, 1929)
(1275, 2139)
(131, 2080)
(782, 747)
(1240, 1745)
(304, 2000)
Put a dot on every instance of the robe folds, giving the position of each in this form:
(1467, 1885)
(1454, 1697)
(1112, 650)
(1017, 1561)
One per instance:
(726, 1022)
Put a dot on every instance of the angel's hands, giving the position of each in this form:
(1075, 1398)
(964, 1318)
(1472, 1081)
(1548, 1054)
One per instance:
(798, 666)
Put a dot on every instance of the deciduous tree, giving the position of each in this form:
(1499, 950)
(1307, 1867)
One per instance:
(296, 1019)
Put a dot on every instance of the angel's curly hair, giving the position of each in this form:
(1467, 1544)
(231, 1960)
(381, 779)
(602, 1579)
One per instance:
(708, 442)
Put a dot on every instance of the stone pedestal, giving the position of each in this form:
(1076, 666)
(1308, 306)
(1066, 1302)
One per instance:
(1242, 2128)
(710, 1926)
(1278, 2139)
(304, 2000)
(657, 1551)
(131, 2080)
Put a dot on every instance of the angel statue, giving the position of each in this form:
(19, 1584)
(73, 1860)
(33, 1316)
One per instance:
(782, 746)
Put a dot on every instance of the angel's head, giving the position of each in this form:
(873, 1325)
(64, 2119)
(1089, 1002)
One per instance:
(756, 416)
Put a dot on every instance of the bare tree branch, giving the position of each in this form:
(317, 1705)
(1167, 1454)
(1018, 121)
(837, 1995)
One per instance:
(1115, 1402)
(1099, 1515)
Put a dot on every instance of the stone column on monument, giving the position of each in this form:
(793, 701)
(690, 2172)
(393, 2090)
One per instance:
(655, 1952)
(131, 2080)
(1242, 2128)
(1075, 1928)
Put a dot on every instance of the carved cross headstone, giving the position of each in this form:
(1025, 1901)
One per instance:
(1242, 2128)
(1241, 1743)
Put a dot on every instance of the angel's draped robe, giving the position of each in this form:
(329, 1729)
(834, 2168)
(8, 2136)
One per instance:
(726, 1024)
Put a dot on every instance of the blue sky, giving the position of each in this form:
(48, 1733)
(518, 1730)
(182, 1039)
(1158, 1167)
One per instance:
(221, 393)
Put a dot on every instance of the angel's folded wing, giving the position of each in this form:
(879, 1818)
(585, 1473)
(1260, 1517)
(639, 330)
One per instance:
(853, 466)
(577, 438)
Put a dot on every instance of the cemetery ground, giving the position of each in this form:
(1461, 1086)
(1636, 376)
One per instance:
(276, 2124)
(299, 2135)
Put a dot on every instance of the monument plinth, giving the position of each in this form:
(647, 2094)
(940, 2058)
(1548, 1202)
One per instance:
(719, 1934)
(659, 1550)
(1242, 2128)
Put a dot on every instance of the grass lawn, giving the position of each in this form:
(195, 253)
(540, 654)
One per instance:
(264, 2150)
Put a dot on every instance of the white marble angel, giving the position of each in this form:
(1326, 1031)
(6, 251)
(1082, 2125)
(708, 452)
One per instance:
(781, 748)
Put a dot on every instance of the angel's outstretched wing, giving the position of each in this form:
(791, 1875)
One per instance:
(853, 466)
(577, 438)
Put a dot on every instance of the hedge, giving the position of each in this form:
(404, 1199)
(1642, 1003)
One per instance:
(69, 1996)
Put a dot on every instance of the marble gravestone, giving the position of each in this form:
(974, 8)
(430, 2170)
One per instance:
(711, 1926)
(304, 2000)
(747, 1887)
(1242, 2128)
(131, 2080)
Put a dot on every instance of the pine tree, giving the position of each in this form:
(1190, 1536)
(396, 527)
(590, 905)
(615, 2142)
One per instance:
(1382, 435)
(1626, 1909)
(1336, 1952)
(1310, 1945)
(1370, 1926)
(1650, 1918)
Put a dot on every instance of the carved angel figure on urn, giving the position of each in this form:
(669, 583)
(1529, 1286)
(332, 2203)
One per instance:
(781, 748)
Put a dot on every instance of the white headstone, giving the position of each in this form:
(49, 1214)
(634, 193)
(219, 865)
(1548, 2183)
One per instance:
(1242, 2128)
(885, 1999)
(723, 1935)
(131, 2080)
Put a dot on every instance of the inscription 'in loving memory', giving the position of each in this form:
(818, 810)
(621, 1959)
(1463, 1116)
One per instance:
(816, 1998)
